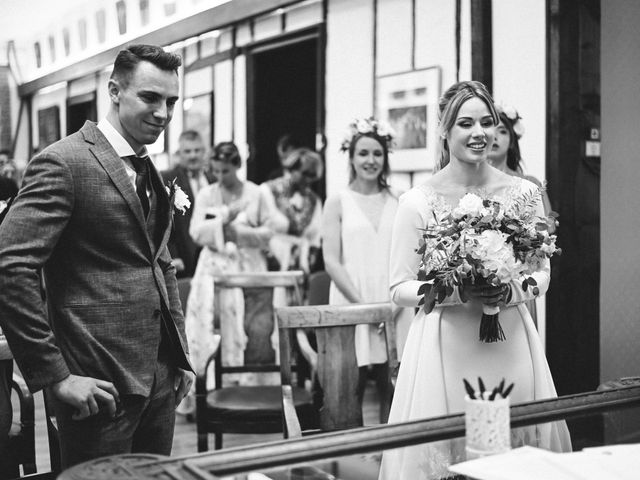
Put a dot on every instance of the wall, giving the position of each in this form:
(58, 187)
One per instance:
(397, 42)
(620, 199)
(519, 79)
(520, 74)
(349, 78)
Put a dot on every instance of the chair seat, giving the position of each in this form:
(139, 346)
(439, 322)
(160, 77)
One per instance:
(261, 402)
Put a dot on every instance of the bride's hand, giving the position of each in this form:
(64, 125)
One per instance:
(487, 294)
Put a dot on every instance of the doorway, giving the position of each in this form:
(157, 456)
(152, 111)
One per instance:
(80, 109)
(284, 85)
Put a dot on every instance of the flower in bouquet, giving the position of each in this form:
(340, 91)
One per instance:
(178, 197)
(484, 241)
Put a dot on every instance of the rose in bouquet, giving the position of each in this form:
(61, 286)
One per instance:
(485, 241)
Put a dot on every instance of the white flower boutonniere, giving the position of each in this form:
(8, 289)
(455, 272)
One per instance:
(177, 196)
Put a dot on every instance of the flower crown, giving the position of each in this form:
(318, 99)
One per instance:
(363, 126)
(513, 115)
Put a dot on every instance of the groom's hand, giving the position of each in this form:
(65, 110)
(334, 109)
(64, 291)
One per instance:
(182, 384)
(84, 394)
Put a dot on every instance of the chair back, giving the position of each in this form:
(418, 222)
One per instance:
(258, 318)
(334, 326)
(318, 288)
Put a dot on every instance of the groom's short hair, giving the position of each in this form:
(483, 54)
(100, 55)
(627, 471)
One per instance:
(128, 59)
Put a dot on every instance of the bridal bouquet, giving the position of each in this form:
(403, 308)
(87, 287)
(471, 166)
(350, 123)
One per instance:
(484, 241)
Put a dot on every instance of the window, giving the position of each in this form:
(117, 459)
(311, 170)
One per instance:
(66, 41)
(52, 48)
(101, 24)
(144, 12)
(169, 7)
(121, 10)
(82, 33)
(36, 48)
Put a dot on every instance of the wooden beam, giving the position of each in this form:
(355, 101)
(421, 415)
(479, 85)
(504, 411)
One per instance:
(212, 19)
(481, 43)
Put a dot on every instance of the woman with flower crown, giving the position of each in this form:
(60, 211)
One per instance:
(505, 151)
(356, 229)
(443, 347)
(234, 222)
(505, 156)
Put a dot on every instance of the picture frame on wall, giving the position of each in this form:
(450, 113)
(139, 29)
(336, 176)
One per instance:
(408, 102)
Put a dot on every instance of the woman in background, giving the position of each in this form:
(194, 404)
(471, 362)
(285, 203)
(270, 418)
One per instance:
(505, 150)
(356, 239)
(299, 207)
(505, 156)
(233, 223)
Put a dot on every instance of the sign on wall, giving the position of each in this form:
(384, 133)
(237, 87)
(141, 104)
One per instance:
(408, 101)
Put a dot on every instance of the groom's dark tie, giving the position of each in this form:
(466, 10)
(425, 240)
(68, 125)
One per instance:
(141, 166)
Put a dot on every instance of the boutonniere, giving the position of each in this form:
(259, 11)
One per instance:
(177, 196)
(4, 208)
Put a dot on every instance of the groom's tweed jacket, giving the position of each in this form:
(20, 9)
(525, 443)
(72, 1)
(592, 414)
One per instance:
(111, 288)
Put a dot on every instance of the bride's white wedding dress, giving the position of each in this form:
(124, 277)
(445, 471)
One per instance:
(443, 348)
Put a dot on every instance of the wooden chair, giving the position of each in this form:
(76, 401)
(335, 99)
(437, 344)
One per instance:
(337, 369)
(318, 288)
(248, 408)
(22, 444)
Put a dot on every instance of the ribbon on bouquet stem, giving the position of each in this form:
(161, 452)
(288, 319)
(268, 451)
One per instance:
(490, 328)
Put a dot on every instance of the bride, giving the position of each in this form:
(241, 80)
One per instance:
(442, 346)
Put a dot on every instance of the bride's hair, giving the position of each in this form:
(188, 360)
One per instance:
(448, 107)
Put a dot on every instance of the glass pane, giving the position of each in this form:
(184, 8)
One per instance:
(197, 116)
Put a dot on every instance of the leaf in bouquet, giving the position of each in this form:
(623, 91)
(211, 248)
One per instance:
(536, 291)
(422, 276)
(448, 290)
(421, 249)
(442, 294)
(486, 219)
(532, 281)
(525, 284)
(431, 275)
(423, 288)
(553, 214)
(463, 294)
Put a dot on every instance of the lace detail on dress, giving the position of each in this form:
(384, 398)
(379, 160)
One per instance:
(440, 205)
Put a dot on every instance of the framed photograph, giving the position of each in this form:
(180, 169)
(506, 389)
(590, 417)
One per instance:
(408, 101)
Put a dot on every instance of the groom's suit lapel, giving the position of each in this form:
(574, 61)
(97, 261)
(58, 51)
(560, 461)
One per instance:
(114, 166)
(163, 215)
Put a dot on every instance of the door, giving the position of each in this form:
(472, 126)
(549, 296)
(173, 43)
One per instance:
(284, 96)
(79, 110)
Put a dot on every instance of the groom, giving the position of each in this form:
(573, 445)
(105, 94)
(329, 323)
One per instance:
(94, 215)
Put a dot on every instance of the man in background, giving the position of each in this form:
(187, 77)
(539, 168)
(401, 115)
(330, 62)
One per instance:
(286, 144)
(93, 215)
(191, 174)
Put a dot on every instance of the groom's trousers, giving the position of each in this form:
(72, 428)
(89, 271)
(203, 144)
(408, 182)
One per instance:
(141, 424)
